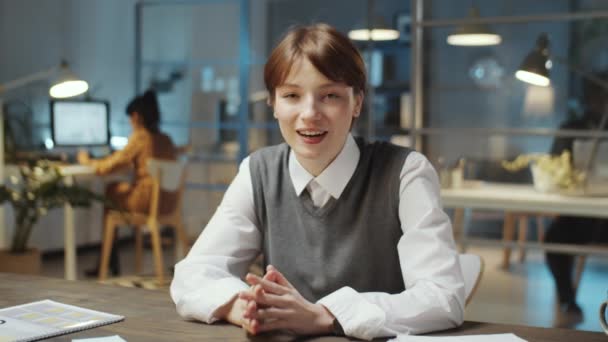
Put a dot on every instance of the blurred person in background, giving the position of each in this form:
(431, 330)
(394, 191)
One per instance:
(146, 142)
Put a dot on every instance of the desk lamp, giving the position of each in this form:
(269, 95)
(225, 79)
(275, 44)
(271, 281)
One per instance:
(64, 84)
(535, 70)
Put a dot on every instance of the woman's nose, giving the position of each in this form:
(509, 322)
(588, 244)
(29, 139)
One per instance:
(310, 109)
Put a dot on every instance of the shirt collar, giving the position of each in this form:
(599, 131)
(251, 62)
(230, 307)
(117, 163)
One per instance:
(335, 176)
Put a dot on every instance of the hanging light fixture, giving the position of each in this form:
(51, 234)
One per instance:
(535, 67)
(379, 31)
(375, 27)
(473, 34)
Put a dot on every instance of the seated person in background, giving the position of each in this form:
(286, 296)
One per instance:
(145, 142)
(353, 234)
(569, 229)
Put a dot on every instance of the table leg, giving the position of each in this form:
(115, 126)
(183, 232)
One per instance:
(69, 238)
(457, 227)
(508, 231)
(522, 236)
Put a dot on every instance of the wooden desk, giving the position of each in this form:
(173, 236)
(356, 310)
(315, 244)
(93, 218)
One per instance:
(151, 316)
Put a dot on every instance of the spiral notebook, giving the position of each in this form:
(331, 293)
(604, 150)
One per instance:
(47, 318)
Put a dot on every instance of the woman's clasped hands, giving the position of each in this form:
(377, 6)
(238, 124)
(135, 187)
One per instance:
(272, 303)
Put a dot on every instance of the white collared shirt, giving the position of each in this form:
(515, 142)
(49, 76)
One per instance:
(211, 274)
(332, 181)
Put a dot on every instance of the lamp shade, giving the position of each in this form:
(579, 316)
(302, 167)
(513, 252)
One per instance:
(66, 84)
(379, 31)
(535, 67)
(473, 34)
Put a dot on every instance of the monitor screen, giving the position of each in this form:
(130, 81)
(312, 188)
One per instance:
(80, 123)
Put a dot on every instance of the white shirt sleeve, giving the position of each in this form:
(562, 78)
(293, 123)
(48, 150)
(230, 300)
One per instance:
(434, 299)
(212, 272)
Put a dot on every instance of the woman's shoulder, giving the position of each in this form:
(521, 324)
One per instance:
(144, 134)
(270, 151)
(269, 154)
(163, 136)
(140, 134)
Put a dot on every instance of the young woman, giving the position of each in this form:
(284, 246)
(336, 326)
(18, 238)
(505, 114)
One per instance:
(146, 141)
(352, 233)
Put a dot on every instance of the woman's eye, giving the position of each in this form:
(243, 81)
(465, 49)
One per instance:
(332, 96)
(290, 96)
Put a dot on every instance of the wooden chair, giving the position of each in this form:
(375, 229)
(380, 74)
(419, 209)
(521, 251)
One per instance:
(472, 269)
(168, 176)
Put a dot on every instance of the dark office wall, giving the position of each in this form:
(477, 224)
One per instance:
(342, 14)
(592, 38)
(31, 40)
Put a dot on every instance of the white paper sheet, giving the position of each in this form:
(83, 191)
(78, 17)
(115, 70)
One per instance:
(114, 338)
(464, 338)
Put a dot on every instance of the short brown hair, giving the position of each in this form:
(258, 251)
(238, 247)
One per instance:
(331, 52)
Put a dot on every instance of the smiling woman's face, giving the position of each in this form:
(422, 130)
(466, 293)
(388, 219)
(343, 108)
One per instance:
(315, 115)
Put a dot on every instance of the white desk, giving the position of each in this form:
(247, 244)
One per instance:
(521, 198)
(69, 172)
(512, 197)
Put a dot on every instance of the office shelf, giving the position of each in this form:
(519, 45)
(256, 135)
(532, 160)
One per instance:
(388, 75)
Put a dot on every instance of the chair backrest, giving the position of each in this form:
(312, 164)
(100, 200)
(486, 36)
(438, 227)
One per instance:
(472, 270)
(168, 176)
(168, 172)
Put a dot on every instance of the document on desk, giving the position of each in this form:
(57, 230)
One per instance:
(114, 338)
(464, 338)
(46, 318)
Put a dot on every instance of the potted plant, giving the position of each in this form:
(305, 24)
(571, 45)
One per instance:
(549, 173)
(32, 193)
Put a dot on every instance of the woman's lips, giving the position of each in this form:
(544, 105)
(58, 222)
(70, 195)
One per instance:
(312, 136)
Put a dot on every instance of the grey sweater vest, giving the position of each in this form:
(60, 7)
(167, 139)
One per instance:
(347, 242)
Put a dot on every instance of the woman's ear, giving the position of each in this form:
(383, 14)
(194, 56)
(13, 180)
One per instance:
(358, 104)
(270, 103)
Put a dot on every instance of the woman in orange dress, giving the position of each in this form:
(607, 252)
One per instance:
(145, 142)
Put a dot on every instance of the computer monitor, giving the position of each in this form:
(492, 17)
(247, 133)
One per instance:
(80, 123)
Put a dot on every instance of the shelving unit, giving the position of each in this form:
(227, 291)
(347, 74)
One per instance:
(386, 88)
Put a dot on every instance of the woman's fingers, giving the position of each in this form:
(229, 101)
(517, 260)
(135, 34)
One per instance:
(252, 326)
(272, 313)
(267, 285)
(250, 309)
(262, 298)
(271, 325)
(273, 274)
